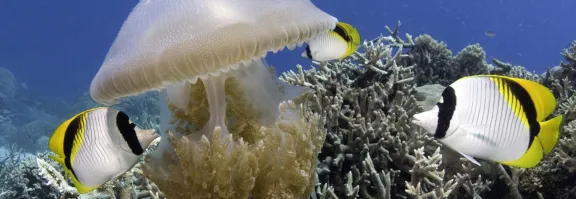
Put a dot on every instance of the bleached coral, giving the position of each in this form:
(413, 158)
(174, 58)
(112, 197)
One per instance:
(370, 148)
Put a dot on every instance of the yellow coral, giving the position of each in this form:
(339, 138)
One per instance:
(273, 161)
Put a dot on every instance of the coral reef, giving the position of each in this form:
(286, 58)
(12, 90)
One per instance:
(366, 148)
(371, 150)
(41, 177)
(436, 65)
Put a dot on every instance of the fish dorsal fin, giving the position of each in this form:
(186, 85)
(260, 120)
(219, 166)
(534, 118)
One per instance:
(342, 31)
(350, 35)
(543, 99)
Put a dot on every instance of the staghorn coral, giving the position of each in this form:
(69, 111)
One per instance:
(49, 175)
(436, 65)
(432, 58)
(370, 148)
(548, 179)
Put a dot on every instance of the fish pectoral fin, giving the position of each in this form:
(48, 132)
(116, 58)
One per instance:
(470, 158)
(531, 157)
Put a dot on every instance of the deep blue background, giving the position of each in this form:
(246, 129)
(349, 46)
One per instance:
(56, 47)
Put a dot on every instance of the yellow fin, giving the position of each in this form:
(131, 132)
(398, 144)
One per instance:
(56, 142)
(58, 159)
(68, 173)
(352, 35)
(56, 145)
(530, 159)
(542, 145)
(543, 99)
(80, 187)
(549, 133)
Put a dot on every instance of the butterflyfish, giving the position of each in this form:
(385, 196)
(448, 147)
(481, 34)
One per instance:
(338, 43)
(495, 118)
(98, 145)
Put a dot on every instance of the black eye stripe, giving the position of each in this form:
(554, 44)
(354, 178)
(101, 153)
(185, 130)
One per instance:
(128, 133)
(445, 111)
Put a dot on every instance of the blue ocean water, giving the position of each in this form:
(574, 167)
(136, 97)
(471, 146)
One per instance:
(56, 47)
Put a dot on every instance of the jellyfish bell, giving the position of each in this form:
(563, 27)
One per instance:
(174, 46)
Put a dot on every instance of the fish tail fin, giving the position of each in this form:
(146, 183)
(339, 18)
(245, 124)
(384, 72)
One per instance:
(542, 145)
(549, 133)
(531, 157)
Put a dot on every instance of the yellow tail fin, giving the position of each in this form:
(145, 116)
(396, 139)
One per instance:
(542, 145)
(549, 133)
(531, 157)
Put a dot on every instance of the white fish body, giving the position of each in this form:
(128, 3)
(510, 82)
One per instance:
(105, 145)
(326, 47)
(338, 43)
(487, 117)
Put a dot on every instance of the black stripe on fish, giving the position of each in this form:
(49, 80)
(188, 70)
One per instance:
(445, 111)
(308, 52)
(340, 31)
(527, 105)
(128, 133)
(69, 137)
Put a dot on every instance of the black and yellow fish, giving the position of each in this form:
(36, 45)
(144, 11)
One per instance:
(334, 44)
(98, 145)
(495, 118)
